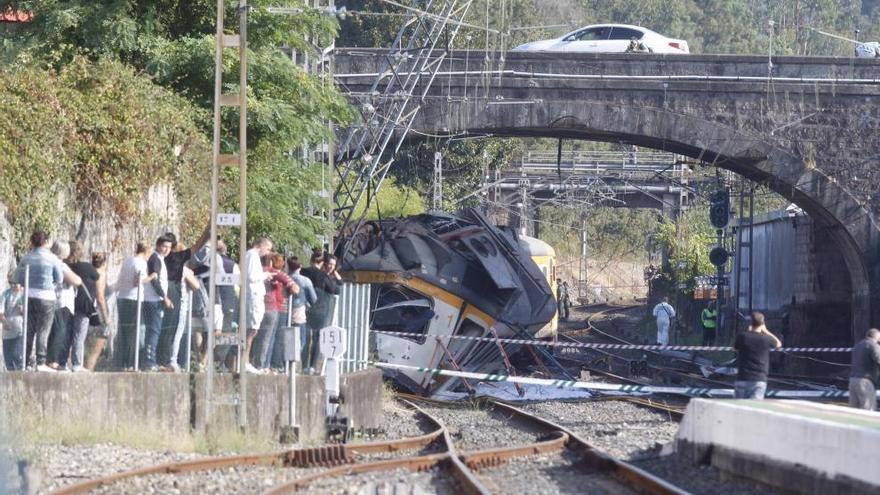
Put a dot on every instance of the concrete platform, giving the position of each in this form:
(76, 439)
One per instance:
(798, 446)
(171, 404)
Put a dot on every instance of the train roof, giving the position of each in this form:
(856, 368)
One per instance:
(536, 247)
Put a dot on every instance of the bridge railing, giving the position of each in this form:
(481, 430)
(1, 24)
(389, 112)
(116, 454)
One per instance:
(600, 161)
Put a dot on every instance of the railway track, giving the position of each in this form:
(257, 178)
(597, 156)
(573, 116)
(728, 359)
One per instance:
(436, 454)
(662, 373)
(674, 407)
(546, 457)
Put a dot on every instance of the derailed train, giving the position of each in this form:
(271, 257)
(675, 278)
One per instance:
(438, 274)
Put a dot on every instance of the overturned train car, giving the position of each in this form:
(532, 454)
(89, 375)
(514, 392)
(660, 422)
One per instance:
(438, 274)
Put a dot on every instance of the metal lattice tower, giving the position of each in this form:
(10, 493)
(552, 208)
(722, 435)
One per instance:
(437, 202)
(367, 151)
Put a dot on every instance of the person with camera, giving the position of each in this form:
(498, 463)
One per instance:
(753, 358)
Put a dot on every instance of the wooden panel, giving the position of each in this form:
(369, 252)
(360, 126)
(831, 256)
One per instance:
(230, 40)
(229, 100)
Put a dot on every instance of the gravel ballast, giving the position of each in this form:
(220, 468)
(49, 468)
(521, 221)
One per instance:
(548, 474)
(400, 422)
(59, 465)
(395, 482)
(622, 429)
(237, 480)
(700, 479)
(477, 429)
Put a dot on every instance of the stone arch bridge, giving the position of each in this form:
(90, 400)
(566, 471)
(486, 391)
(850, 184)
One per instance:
(809, 128)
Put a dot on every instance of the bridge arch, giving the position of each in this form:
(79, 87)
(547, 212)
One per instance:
(831, 206)
(809, 127)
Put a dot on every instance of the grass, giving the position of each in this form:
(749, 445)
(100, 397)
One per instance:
(63, 431)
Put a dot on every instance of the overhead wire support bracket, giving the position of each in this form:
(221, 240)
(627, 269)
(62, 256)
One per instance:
(365, 154)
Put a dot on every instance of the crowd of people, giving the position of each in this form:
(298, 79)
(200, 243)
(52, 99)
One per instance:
(161, 296)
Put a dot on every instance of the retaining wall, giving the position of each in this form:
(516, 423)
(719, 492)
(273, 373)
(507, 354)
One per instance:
(171, 405)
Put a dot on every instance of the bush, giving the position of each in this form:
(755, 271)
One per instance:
(98, 131)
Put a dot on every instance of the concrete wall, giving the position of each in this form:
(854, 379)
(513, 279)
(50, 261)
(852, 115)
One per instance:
(267, 405)
(798, 446)
(170, 404)
(100, 230)
(359, 402)
(110, 402)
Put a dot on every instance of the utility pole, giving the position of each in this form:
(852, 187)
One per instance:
(582, 265)
(524, 206)
(223, 41)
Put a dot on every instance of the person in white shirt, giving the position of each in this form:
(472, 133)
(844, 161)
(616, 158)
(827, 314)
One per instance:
(129, 286)
(664, 314)
(66, 293)
(256, 291)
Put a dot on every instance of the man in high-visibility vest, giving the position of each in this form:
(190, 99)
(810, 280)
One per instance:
(709, 319)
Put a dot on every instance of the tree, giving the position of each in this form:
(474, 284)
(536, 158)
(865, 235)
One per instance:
(98, 132)
(173, 41)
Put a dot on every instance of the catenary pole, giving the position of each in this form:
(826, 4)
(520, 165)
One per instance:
(242, 198)
(215, 166)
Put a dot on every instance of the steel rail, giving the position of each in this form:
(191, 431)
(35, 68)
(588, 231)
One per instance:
(678, 413)
(633, 477)
(481, 459)
(449, 459)
(420, 463)
(593, 328)
(330, 455)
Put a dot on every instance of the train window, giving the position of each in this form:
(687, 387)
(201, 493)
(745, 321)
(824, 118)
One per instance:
(544, 269)
(410, 317)
(479, 247)
(490, 246)
(400, 309)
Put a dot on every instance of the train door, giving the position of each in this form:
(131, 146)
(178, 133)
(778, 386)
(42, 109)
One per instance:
(422, 318)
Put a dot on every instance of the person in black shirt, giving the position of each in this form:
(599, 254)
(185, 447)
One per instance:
(320, 314)
(864, 373)
(83, 308)
(753, 358)
(174, 262)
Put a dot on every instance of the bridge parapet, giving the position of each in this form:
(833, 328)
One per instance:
(369, 61)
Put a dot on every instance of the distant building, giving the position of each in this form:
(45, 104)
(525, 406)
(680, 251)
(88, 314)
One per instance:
(11, 20)
(800, 280)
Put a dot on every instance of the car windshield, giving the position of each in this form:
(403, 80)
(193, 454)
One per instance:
(591, 34)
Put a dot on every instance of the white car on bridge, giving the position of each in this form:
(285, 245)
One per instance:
(607, 38)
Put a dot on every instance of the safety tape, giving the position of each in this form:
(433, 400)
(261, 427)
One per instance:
(611, 387)
(585, 345)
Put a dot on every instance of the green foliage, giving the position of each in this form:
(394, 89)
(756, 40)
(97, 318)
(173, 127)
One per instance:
(614, 234)
(709, 26)
(393, 201)
(95, 130)
(464, 164)
(687, 244)
(173, 41)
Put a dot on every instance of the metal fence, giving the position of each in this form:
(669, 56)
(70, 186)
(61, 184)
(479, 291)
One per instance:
(353, 313)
